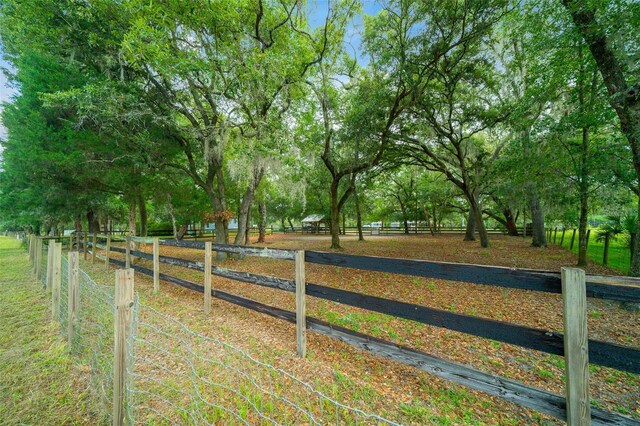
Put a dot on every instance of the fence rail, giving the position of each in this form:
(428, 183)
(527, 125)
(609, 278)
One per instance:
(608, 354)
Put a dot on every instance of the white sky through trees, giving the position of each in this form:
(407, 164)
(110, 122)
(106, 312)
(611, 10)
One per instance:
(6, 93)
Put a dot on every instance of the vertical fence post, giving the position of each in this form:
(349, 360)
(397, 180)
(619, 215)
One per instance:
(156, 265)
(587, 242)
(127, 256)
(56, 280)
(38, 257)
(207, 277)
(31, 248)
(107, 251)
(47, 283)
(74, 297)
(576, 350)
(555, 234)
(562, 237)
(301, 308)
(573, 238)
(85, 244)
(605, 255)
(94, 241)
(123, 317)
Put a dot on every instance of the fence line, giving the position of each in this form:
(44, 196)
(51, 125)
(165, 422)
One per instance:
(617, 356)
(176, 376)
(537, 399)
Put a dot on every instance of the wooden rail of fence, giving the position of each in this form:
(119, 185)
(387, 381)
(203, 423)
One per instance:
(607, 354)
(387, 230)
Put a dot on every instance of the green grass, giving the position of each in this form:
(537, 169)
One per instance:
(39, 384)
(619, 256)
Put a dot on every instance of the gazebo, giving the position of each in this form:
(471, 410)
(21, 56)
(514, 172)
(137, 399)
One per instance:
(311, 223)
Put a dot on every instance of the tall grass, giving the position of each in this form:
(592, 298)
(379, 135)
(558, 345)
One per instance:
(619, 254)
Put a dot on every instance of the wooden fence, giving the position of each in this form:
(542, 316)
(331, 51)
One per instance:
(571, 283)
(387, 230)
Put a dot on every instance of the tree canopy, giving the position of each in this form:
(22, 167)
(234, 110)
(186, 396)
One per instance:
(184, 113)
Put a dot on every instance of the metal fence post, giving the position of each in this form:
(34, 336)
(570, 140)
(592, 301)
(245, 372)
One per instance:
(74, 297)
(94, 241)
(156, 265)
(127, 256)
(301, 309)
(56, 280)
(207, 277)
(107, 251)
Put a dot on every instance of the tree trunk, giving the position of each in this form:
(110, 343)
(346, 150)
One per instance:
(470, 232)
(132, 218)
(293, 228)
(624, 98)
(247, 201)
(358, 216)
(143, 216)
(584, 208)
(482, 230)
(635, 249)
(181, 232)
(428, 220)
(173, 220)
(132, 226)
(510, 222)
(335, 217)
(262, 224)
(247, 230)
(537, 221)
(93, 225)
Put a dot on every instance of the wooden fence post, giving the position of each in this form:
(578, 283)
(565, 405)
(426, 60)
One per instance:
(47, 283)
(301, 308)
(107, 251)
(127, 256)
(94, 241)
(85, 244)
(555, 234)
(573, 238)
(562, 237)
(605, 255)
(207, 277)
(73, 301)
(156, 265)
(123, 317)
(31, 248)
(38, 257)
(576, 351)
(56, 280)
(588, 235)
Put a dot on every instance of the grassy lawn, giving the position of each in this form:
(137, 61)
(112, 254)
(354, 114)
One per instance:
(619, 257)
(39, 384)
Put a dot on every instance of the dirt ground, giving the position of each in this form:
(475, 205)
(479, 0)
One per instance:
(402, 393)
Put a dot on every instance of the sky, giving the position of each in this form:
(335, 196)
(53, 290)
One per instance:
(5, 93)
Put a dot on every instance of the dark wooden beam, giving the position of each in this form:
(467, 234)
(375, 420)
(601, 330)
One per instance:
(510, 390)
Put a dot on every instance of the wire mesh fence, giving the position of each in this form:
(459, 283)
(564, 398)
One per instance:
(182, 377)
(176, 376)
